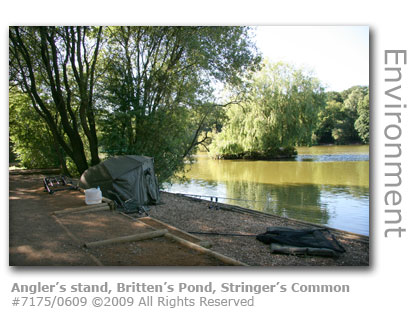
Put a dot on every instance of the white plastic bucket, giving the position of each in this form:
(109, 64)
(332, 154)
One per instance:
(93, 196)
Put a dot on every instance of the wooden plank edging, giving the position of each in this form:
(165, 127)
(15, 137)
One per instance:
(103, 207)
(197, 247)
(134, 237)
(100, 206)
(209, 252)
(168, 226)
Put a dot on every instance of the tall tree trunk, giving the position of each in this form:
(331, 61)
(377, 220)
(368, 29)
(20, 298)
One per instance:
(60, 155)
(84, 73)
(42, 55)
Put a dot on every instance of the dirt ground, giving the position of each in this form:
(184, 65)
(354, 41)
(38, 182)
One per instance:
(38, 238)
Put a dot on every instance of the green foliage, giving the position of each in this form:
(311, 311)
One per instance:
(29, 135)
(338, 121)
(336, 96)
(345, 129)
(279, 113)
(141, 90)
(156, 97)
(362, 123)
(327, 120)
(161, 135)
(56, 68)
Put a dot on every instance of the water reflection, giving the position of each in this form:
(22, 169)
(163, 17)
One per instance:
(331, 189)
(351, 173)
(332, 157)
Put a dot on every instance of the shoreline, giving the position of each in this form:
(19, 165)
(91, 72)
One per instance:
(240, 209)
(35, 239)
(232, 229)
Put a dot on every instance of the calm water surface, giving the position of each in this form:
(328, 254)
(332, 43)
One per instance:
(328, 185)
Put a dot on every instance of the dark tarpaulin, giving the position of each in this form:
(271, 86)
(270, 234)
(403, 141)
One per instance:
(314, 241)
(128, 177)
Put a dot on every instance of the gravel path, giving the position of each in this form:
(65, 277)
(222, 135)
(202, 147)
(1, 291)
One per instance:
(193, 215)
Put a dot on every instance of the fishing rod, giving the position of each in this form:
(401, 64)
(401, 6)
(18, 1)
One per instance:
(217, 197)
(223, 234)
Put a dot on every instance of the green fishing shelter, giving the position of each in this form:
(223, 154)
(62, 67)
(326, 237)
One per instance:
(128, 177)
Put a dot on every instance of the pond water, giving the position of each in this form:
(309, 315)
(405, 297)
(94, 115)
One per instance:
(328, 185)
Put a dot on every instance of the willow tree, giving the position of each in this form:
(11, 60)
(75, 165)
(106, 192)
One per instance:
(279, 113)
(157, 94)
(55, 67)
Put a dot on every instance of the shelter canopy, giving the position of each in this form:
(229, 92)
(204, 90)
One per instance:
(128, 177)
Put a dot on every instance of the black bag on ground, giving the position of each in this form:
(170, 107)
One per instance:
(312, 241)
